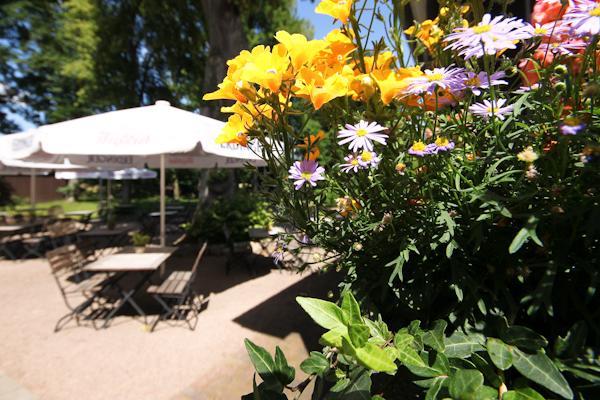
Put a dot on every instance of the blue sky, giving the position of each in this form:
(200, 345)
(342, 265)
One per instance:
(324, 23)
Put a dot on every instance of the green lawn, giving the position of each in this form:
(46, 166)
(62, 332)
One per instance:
(66, 205)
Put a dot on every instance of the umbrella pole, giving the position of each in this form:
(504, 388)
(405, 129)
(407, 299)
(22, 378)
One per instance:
(32, 194)
(162, 200)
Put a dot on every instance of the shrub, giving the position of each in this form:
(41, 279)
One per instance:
(461, 196)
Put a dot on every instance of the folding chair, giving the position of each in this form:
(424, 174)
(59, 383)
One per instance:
(66, 263)
(176, 294)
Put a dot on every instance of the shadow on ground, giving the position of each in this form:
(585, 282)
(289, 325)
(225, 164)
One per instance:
(281, 315)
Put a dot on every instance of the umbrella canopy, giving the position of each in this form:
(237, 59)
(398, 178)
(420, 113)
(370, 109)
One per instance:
(125, 174)
(148, 135)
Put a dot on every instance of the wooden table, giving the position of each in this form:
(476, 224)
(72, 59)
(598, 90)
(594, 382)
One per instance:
(125, 262)
(84, 215)
(111, 237)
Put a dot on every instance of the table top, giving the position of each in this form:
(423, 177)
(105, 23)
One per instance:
(13, 228)
(157, 213)
(80, 212)
(129, 261)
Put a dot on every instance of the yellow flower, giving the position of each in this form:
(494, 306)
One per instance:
(528, 155)
(382, 62)
(320, 90)
(391, 83)
(234, 131)
(363, 87)
(400, 168)
(428, 32)
(338, 49)
(266, 68)
(300, 49)
(312, 143)
(338, 9)
(230, 90)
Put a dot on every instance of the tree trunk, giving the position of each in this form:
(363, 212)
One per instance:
(226, 38)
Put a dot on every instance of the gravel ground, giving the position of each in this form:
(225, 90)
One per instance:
(125, 361)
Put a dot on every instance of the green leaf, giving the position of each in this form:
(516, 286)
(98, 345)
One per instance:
(262, 361)
(486, 393)
(522, 394)
(518, 241)
(523, 338)
(351, 308)
(440, 367)
(500, 353)
(435, 388)
(324, 313)
(375, 358)
(461, 345)
(463, 385)
(333, 338)
(317, 364)
(340, 385)
(359, 333)
(541, 370)
(360, 385)
(487, 369)
(379, 331)
(406, 353)
(573, 342)
(435, 337)
(284, 371)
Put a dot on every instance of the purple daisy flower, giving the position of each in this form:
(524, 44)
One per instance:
(443, 144)
(279, 253)
(584, 17)
(475, 82)
(362, 135)
(368, 159)
(420, 149)
(306, 171)
(563, 48)
(571, 126)
(489, 108)
(351, 164)
(449, 78)
(488, 37)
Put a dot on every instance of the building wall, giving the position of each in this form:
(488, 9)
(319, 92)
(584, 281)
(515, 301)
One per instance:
(45, 187)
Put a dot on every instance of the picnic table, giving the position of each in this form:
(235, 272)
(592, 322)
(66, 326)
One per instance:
(83, 215)
(129, 262)
(107, 237)
(10, 233)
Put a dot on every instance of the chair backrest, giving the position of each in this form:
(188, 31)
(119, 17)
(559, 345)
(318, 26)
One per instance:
(199, 258)
(64, 259)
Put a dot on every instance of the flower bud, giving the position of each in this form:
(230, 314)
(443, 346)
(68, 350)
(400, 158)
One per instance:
(560, 86)
(561, 69)
(357, 246)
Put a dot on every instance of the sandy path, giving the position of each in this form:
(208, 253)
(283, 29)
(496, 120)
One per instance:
(127, 362)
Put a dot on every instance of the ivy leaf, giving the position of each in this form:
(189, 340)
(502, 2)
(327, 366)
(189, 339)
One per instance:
(406, 353)
(351, 308)
(284, 371)
(465, 383)
(316, 364)
(523, 338)
(522, 394)
(333, 338)
(360, 385)
(324, 313)
(500, 353)
(435, 337)
(340, 385)
(541, 370)
(359, 333)
(460, 345)
(261, 359)
(375, 358)
(435, 388)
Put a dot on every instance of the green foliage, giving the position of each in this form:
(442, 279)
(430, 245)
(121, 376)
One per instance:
(236, 214)
(464, 365)
(140, 239)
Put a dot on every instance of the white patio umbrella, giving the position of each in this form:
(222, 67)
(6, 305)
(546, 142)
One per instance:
(149, 134)
(21, 144)
(124, 174)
